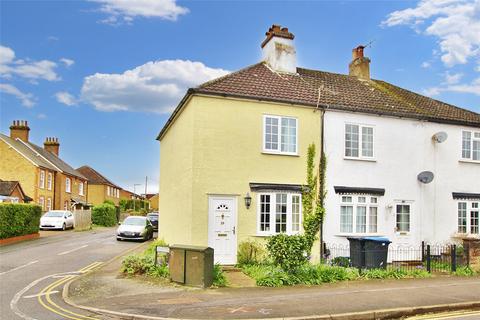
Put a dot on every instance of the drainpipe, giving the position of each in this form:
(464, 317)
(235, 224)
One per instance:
(322, 148)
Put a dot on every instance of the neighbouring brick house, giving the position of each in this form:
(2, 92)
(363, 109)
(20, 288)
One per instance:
(153, 200)
(50, 181)
(12, 192)
(99, 187)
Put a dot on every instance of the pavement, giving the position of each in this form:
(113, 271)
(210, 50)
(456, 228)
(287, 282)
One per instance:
(105, 292)
(33, 273)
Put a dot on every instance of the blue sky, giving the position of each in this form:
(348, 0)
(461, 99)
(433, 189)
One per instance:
(103, 75)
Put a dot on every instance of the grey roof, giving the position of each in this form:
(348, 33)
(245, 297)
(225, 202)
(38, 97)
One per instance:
(38, 155)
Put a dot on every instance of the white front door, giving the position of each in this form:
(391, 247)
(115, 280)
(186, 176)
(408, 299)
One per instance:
(222, 228)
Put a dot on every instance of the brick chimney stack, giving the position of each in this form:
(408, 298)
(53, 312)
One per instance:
(278, 49)
(51, 144)
(19, 129)
(360, 65)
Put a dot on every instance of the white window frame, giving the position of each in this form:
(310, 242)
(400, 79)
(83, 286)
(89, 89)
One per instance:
(108, 191)
(49, 204)
(68, 185)
(355, 204)
(360, 141)
(81, 188)
(471, 206)
(49, 180)
(474, 137)
(41, 179)
(273, 205)
(279, 142)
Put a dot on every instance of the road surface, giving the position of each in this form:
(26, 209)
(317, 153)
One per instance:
(32, 273)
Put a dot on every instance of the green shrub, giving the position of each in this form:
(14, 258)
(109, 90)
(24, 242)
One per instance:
(18, 219)
(465, 271)
(104, 215)
(288, 252)
(341, 262)
(395, 273)
(250, 252)
(142, 264)
(109, 202)
(219, 279)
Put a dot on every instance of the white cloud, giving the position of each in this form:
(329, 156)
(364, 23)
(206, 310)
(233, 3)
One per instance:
(152, 87)
(472, 88)
(453, 78)
(67, 62)
(66, 98)
(124, 11)
(455, 23)
(426, 65)
(26, 99)
(42, 116)
(26, 68)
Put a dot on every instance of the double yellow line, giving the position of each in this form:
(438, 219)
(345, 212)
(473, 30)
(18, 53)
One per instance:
(44, 297)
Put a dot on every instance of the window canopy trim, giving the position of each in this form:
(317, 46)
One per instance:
(466, 196)
(359, 190)
(259, 187)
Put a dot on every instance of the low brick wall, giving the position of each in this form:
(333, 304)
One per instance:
(472, 247)
(11, 240)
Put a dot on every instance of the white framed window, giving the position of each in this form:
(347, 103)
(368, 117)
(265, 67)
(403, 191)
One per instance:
(68, 185)
(468, 217)
(471, 145)
(41, 180)
(49, 204)
(65, 205)
(359, 141)
(359, 214)
(80, 188)
(280, 135)
(279, 213)
(49, 181)
(41, 202)
(108, 190)
(402, 213)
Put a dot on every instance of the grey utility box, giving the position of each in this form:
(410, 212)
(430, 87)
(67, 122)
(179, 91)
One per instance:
(191, 265)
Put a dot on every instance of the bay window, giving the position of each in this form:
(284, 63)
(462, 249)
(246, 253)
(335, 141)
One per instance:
(468, 217)
(279, 213)
(358, 214)
(280, 135)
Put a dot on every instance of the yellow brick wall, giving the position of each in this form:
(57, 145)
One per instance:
(61, 195)
(14, 167)
(97, 194)
(154, 202)
(45, 192)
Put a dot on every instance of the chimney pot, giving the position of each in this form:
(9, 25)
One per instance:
(51, 144)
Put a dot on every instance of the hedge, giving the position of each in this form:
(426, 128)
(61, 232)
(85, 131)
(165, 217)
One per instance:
(104, 215)
(18, 219)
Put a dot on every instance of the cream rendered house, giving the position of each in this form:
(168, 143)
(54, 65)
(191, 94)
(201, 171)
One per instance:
(233, 153)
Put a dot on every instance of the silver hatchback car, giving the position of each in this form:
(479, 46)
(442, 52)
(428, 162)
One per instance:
(135, 228)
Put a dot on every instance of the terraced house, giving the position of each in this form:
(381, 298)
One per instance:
(99, 187)
(50, 181)
(234, 152)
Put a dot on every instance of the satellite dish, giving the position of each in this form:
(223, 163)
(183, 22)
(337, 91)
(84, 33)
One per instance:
(425, 177)
(439, 137)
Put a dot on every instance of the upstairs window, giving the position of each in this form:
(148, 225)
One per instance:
(471, 145)
(41, 182)
(280, 135)
(358, 141)
(49, 181)
(80, 188)
(68, 185)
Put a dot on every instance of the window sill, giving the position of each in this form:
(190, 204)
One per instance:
(280, 153)
(469, 161)
(360, 159)
(266, 235)
(360, 235)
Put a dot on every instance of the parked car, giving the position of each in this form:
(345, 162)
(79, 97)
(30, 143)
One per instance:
(135, 228)
(153, 217)
(57, 219)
